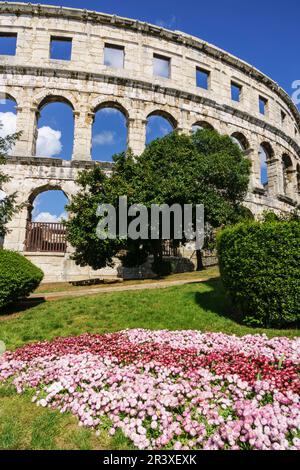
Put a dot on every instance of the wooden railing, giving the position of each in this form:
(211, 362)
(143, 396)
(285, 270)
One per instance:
(45, 237)
(169, 250)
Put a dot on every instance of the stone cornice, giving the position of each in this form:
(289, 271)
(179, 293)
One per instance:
(18, 9)
(57, 162)
(148, 86)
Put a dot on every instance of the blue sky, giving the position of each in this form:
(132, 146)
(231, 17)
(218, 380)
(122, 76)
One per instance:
(262, 32)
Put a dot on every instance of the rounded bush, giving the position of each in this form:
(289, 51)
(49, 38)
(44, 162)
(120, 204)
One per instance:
(18, 277)
(163, 267)
(260, 270)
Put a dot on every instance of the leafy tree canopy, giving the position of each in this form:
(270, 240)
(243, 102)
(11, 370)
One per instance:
(205, 168)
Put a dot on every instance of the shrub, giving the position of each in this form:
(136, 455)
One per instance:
(260, 269)
(163, 267)
(18, 277)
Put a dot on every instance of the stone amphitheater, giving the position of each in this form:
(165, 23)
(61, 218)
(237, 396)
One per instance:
(262, 119)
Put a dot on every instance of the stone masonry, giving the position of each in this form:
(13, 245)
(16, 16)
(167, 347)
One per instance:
(32, 79)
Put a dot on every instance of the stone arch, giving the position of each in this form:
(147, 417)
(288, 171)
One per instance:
(112, 136)
(266, 155)
(44, 188)
(113, 104)
(49, 99)
(4, 95)
(298, 177)
(198, 125)
(46, 232)
(287, 174)
(164, 114)
(36, 191)
(159, 123)
(240, 139)
(8, 117)
(53, 96)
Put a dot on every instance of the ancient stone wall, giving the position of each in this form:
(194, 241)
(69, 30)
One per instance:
(32, 79)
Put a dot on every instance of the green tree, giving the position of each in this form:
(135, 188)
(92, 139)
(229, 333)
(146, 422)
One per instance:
(204, 169)
(8, 205)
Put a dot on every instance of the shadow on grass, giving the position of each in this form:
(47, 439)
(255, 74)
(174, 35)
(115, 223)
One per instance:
(216, 301)
(21, 306)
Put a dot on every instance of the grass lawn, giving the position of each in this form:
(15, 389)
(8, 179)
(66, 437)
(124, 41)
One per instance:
(45, 288)
(193, 306)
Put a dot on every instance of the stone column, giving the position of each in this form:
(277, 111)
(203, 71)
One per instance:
(136, 135)
(291, 183)
(254, 157)
(274, 167)
(15, 238)
(82, 146)
(27, 117)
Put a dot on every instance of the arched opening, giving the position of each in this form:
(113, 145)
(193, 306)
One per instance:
(8, 117)
(159, 124)
(109, 136)
(198, 126)
(287, 172)
(55, 129)
(265, 155)
(239, 139)
(45, 228)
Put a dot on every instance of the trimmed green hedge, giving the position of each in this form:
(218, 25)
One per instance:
(260, 269)
(18, 277)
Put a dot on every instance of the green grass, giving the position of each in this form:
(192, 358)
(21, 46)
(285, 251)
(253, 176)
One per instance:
(45, 288)
(23, 425)
(193, 306)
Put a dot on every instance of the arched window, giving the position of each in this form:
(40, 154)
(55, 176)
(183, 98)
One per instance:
(55, 129)
(159, 124)
(239, 139)
(109, 135)
(265, 155)
(8, 116)
(287, 171)
(45, 230)
(202, 125)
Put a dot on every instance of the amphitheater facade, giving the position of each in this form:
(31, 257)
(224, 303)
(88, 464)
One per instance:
(32, 79)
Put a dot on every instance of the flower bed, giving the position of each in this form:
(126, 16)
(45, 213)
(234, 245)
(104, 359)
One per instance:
(174, 390)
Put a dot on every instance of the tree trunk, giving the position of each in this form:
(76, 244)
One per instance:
(200, 265)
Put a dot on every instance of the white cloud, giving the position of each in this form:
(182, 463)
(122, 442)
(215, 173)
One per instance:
(47, 217)
(161, 67)
(48, 142)
(169, 24)
(109, 111)
(8, 123)
(104, 138)
(114, 57)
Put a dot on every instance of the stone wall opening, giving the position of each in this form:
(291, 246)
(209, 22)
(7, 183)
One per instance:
(45, 231)
(287, 175)
(109, 133)
(55, 129)
(159, 124)
(8, 116)
(198, 126)
(266, 154)
(239, 139)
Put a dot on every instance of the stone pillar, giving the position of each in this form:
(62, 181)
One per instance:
(27, 117)
(254, 181)
(82, 146)
(136, 135)
(291, 183)
(274, 167)
(15, 238)
(254, 157)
